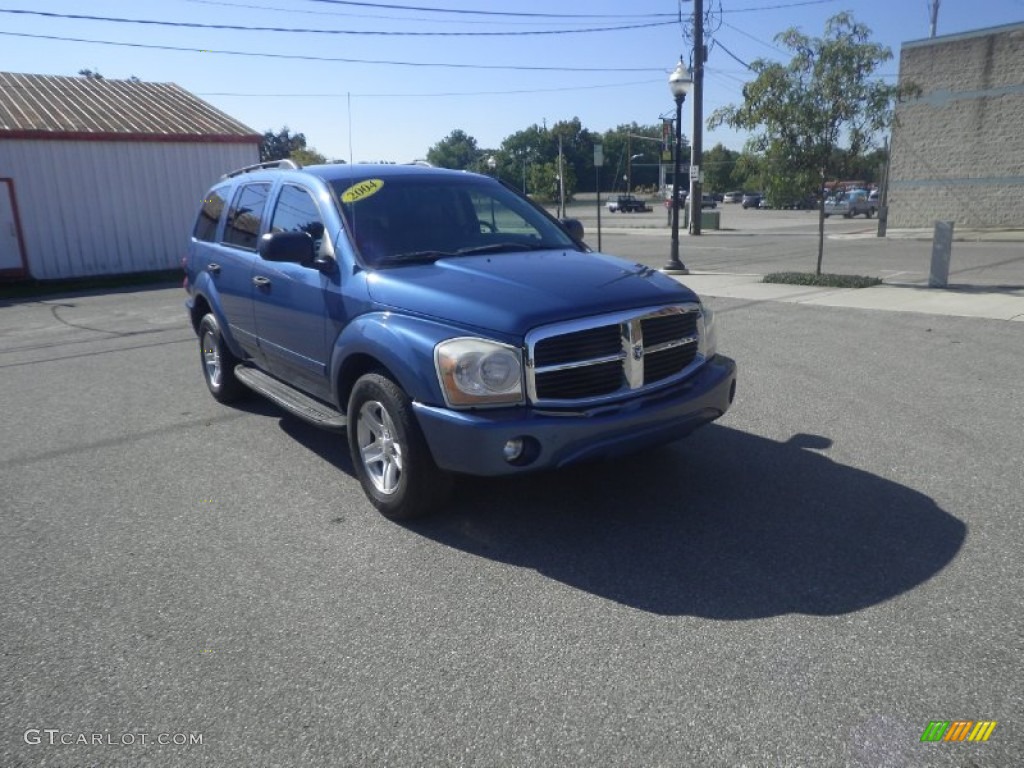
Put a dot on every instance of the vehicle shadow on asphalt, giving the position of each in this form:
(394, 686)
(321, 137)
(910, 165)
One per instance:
(724, 525)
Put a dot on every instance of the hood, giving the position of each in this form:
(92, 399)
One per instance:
(513, 292)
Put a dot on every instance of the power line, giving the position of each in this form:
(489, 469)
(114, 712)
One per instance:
(337, 59)
(430, 95)
(781, 6)
(315, 31)
(488, 13)
(418, 19)
(718, 44)
(584, 18)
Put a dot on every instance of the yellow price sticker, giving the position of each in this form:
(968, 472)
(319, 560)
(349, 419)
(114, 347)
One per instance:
(361, 190)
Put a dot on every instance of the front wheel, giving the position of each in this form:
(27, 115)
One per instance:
(218, 362)
(390, 455)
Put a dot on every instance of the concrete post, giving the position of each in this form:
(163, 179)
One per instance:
(942, 247)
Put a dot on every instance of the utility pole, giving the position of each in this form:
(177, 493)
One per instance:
(696, 198)
(561, 181)
(934, 7)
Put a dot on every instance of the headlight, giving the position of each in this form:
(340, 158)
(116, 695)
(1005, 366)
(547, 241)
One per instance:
(479, 372)
(709, 336)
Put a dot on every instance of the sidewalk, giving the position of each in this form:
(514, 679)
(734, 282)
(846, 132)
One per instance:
(963, 301)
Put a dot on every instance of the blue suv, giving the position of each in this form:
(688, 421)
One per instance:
(443, 321)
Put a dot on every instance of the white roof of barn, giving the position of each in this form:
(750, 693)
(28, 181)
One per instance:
(56, 107)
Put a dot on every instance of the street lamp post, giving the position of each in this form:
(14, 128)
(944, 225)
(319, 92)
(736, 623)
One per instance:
(629, 171)
(679, 83)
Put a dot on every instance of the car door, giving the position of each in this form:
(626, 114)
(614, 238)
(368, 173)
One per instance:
(290, 300)
(231, 261)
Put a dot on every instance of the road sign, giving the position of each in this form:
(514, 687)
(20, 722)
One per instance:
(598, 155)
(694, 173)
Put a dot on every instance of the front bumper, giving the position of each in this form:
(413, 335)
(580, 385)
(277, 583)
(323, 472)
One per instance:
(472, 442)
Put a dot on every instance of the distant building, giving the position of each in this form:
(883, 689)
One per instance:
(958, 150)
(101, 177)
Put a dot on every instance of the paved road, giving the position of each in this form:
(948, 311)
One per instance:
(775, 241)
(808, 582)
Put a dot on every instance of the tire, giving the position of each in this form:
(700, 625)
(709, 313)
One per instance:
(218, 363)
(867, 214)
(389, 453)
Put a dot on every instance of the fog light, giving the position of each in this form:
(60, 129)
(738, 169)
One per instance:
(513, 449)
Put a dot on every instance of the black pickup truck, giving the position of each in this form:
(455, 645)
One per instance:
(627, 204)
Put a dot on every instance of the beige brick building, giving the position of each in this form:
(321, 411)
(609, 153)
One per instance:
(958, 150)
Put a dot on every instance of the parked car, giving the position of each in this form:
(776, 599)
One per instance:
(850, 203)
(732, 197)
(751, 199)
(683, 194)
(444, 322)
(627, 204)
(707, 201)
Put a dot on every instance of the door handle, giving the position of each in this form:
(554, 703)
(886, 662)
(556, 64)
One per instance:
(213, 268)
(261, 282)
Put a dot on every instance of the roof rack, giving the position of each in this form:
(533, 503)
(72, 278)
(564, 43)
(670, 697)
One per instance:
(287, 165)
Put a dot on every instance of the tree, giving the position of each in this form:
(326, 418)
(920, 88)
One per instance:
(719, 164)
(457, 150)
(543, 181)
(621, 142)
(280, 145)
(90, 74)
(307, 156)
(826, 94)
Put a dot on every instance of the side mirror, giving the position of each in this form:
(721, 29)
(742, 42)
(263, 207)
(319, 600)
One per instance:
(574, 227)
(296, 247)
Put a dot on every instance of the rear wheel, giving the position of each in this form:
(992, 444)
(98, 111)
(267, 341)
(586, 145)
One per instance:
(218, 362)
(390, 455)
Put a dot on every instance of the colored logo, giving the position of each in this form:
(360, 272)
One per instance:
(363, 189)
(958, 730)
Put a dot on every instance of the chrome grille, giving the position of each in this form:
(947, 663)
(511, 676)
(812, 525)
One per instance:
(605, 357)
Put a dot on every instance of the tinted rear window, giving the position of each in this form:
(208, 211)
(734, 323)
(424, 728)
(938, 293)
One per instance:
(209, 215)
(246, 216)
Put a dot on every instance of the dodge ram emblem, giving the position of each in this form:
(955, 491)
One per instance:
(638, 351)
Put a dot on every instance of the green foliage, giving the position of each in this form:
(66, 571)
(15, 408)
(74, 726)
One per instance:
(280, 145)
(803, 111)
(719, 166)
(90, 74)
(457, 150)
(307, 156)
(543, 181)
(826, 280)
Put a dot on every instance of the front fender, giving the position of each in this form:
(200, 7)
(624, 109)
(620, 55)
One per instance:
(402, 344)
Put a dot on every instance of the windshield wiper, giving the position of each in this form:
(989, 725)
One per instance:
(419, 256)
(500, 247)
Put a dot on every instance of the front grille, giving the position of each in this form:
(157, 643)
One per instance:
(612, 356)
(578, 345)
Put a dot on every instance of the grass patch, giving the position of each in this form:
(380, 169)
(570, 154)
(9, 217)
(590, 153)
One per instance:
(827, 281)
(28, 288)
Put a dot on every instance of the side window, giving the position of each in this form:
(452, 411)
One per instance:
(296, 211)
(245, 216)
(209, 215)
(495, 216)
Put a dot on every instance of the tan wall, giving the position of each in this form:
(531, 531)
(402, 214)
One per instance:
(958, 150)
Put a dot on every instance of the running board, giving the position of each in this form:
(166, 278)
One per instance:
(292, 400)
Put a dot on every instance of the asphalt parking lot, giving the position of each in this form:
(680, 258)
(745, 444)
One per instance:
(808, 582)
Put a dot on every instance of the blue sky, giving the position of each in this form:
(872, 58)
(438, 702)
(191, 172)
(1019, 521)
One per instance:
(396, 111)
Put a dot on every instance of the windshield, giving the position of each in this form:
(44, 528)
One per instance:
(405, 219)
